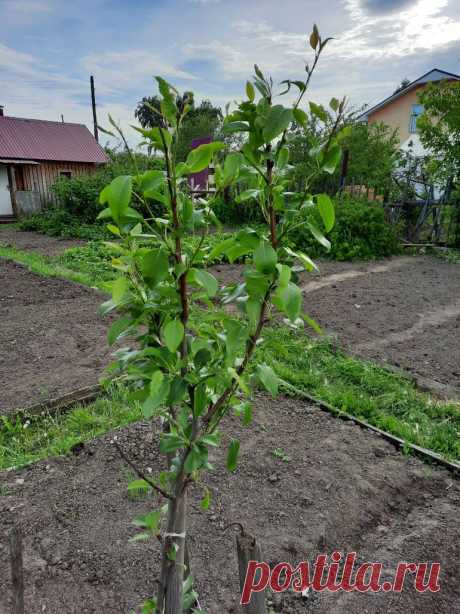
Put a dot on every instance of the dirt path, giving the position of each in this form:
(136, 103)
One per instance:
(52, 340)
(35, 242)
(404, 311)
(342, 489)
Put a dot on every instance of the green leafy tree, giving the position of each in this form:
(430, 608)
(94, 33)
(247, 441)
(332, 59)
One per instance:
(439, 126)
(439, 129)
(191, 367)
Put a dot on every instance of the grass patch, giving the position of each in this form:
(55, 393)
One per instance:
(362, 389)
(27, 440)
(52, 267)
(450, 254)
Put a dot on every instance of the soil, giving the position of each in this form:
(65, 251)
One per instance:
(342, 488)
(404, 311)
(33, 241)
(52, 340)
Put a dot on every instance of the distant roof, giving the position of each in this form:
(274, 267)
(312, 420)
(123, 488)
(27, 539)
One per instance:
(432, 75)
(37, 139)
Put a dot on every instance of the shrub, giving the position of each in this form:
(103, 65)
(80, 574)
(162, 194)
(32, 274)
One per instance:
(57, 222)
(361, 232)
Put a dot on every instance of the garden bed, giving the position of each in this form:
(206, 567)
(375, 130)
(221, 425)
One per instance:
(52, 340)
(35, 242)
(404, 311)
(306, 483)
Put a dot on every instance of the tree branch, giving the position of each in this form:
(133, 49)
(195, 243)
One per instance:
(140, 474)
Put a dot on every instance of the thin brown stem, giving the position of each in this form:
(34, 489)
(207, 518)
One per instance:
(140, 474)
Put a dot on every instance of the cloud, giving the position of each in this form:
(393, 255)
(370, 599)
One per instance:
(377, 7)
(204, 1)
(115, 71)
(422, 27)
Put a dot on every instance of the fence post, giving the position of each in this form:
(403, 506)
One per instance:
(17, 574)
(248, 550)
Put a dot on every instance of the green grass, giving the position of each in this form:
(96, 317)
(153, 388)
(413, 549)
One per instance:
(362, 389)
(451, 255)
(52, 267)
(359, 388)
(27, 440)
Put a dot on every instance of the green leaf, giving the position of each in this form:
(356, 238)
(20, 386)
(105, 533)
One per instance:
(326, 210)
(232, 455)
(159, 390)
(204, 279)
(155, 266)
(319, 235)
(268, 378)
(196, 457)
(220, 248)
(200, 400)
(230, 127)
(118, 329)
(232, 166)
(173, 333)
(300, 117)
(283, 157)
(331, 159)
(206, 500)
(139, 485)
(250, 91)
(151, 180)
(265, 258)
(200, 157)
(119, 289)
(119, 195)
(277, 121)
(334, 104)
(170, 442)
(291, 297)
(319, 111)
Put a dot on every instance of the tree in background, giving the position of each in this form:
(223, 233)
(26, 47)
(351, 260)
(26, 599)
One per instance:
(202, 120)
(439, 126)
(373, 151)
(439, 129)
(402, 86)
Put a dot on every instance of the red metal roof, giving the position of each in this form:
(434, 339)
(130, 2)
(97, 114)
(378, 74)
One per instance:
(38, 139)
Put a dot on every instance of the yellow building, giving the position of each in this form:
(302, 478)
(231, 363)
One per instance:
(401, 109)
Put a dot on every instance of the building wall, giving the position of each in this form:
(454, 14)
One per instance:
(396, 114)
(38, 178)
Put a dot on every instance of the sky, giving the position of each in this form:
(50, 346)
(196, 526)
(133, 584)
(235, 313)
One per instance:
(49, 48)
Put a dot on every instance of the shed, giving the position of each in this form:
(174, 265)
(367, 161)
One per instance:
(34, 153)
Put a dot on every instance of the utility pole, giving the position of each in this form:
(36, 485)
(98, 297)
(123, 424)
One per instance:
(93, 104)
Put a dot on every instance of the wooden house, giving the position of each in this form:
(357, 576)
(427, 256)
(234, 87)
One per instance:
(34, 153)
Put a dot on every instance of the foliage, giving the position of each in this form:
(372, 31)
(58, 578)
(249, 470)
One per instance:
(362, 389)
(58, 222)
(199, 121)
(190, 373)
(26, 439)
(361, 232)
(439, 125)
(93, 259)
(50, 267)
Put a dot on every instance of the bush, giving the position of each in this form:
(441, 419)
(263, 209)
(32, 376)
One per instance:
(361, 232)
(230, 212)
(57, 222)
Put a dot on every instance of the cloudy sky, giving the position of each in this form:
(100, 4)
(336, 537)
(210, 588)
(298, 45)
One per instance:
(48, 49)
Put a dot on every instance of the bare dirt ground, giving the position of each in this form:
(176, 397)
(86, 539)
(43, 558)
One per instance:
(405, 311)
(52, 340)
(33, 241)
(343, 488)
